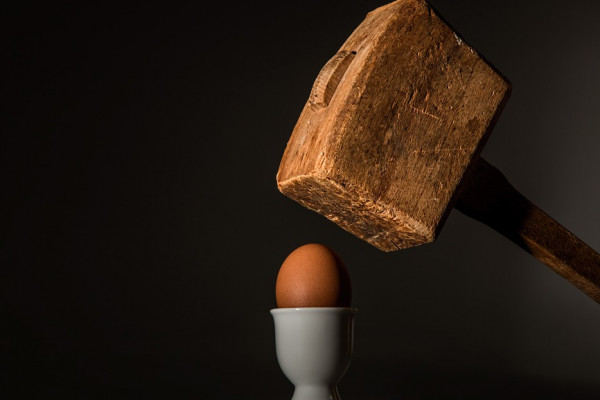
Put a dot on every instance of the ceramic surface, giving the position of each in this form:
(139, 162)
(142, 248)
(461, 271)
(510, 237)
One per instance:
(314, 347)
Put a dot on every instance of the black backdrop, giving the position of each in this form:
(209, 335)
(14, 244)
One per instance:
(143, 231)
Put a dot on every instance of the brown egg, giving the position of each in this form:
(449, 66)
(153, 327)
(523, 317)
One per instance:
(313, 276)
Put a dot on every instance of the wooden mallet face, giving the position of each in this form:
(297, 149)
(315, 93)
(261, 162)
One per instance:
(393, 123)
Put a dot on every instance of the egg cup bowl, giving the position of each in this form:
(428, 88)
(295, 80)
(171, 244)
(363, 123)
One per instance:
(314, 347)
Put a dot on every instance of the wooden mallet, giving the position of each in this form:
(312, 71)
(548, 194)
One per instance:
(389, 142)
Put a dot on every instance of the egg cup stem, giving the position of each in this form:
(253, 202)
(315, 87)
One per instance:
(313, 392)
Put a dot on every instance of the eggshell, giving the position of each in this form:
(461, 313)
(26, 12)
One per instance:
(313, 276)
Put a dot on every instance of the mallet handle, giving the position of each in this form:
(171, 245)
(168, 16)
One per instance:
(488, 197)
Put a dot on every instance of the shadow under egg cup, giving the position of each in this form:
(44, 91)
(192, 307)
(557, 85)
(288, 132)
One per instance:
(314, 347)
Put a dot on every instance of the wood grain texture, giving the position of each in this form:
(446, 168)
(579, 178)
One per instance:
(390, 137)
(488, 197)
(393, 122)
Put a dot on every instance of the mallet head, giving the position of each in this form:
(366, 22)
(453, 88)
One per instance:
(394, 121)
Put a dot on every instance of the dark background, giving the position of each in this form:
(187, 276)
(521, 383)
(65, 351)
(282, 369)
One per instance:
(143, 230)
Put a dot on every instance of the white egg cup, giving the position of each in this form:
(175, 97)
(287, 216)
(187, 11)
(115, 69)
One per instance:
(314, 347)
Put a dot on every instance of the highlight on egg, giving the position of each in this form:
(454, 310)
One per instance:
(313, 275)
